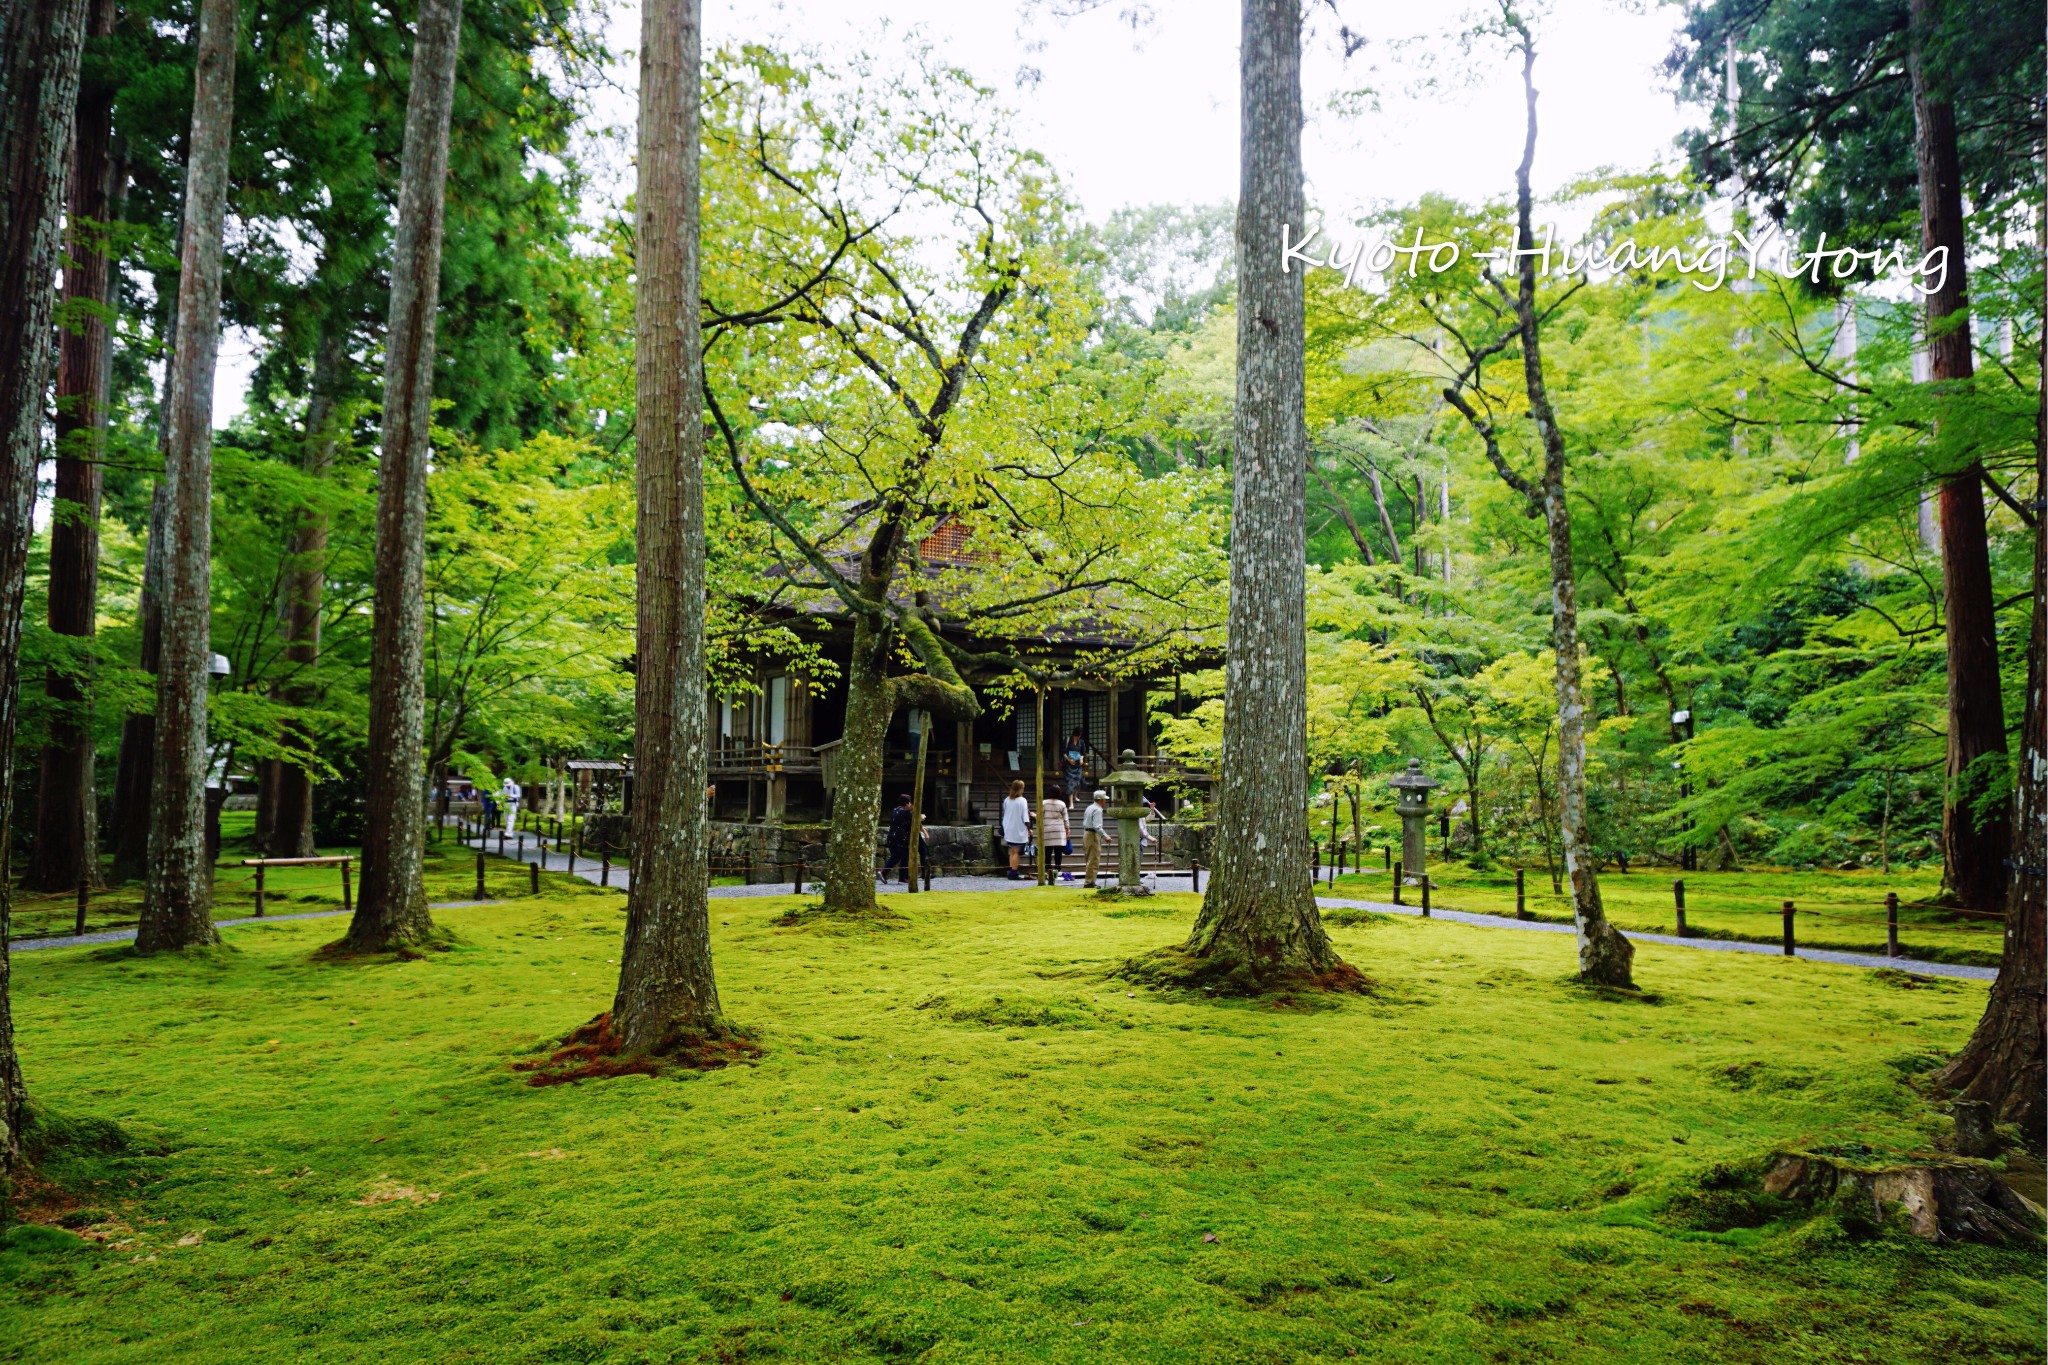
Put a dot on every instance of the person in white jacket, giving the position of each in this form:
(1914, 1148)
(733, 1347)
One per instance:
(1052, 828)
(1016, 826)
(510, 791)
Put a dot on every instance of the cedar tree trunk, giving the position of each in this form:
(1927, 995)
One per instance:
(39, 58)
(2003, 1063)
(177, 907)
(66, 849)
(391, 911)
(291, 809)
(667, 992)
(1975, 844)
(138, 730)
(1259, 926)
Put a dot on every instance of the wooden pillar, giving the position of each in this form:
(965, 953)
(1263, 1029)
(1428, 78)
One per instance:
(963, 769)
(1114, 746)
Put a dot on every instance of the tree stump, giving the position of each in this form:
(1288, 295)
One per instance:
(1943, 1200)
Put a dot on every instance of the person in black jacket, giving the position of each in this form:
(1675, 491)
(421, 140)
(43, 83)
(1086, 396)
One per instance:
(899, 839)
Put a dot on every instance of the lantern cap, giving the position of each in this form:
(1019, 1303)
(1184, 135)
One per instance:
(1414, 779)
(1128, 772)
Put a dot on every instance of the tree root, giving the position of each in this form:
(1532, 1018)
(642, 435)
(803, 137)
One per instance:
(594, 1052)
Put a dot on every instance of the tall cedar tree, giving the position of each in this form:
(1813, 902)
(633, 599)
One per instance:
(1259, 927)
(177, 907)
(40, 41)
(1859, 107)
(1975, 842)
(66, 849)
(1605, 956)
(392, 910)
(2005, 1063)
(667, 992)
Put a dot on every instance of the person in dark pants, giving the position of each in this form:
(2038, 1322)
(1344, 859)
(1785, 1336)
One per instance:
(899, 839)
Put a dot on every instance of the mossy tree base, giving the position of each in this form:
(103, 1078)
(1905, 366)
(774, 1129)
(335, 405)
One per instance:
(404, 949)
(596, 1051)
(1239, 976)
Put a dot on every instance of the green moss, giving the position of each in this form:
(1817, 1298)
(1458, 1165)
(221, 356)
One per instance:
(1477, 1161)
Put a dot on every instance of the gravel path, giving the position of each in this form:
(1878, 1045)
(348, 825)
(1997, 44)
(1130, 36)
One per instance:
(621, 878)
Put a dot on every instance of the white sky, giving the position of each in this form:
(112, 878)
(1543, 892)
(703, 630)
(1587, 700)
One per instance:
(1151, 116)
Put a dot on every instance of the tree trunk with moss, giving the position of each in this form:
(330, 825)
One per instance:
(391, 909)
(1605, 956)
(1259, 927)
(857, 791)
(39, 59)
(668, 994)
(177, 906)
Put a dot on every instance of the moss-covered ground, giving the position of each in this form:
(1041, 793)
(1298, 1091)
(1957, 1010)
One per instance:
(1833, 909)
(966, 1143)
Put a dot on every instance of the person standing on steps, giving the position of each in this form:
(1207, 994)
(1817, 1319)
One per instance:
(1091, 835)
(1016, 826)
(1052, 827)
(900, 820)
(1074, 766)
(511, 791)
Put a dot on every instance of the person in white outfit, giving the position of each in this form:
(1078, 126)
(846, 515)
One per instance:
(511, 793)
(1016, 826)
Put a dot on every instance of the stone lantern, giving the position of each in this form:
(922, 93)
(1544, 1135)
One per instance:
(1127, 806)
(1411, 803)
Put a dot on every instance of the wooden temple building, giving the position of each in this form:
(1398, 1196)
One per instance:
(772, 750)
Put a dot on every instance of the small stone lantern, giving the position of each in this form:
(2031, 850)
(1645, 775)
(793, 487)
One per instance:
(1411, 803)
(1127, 806)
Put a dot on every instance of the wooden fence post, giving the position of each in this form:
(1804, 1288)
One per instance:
(259, 897)
(85, 894)
(1788, 930)
(1521, 897)
(533, 878)
(346, 898)
(604, 866)
(1425, 895)
(480, 872)
(1678, 902)
(1891, 924)
(1397, 885)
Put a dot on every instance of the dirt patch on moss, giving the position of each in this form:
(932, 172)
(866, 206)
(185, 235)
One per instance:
(594, 1053)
